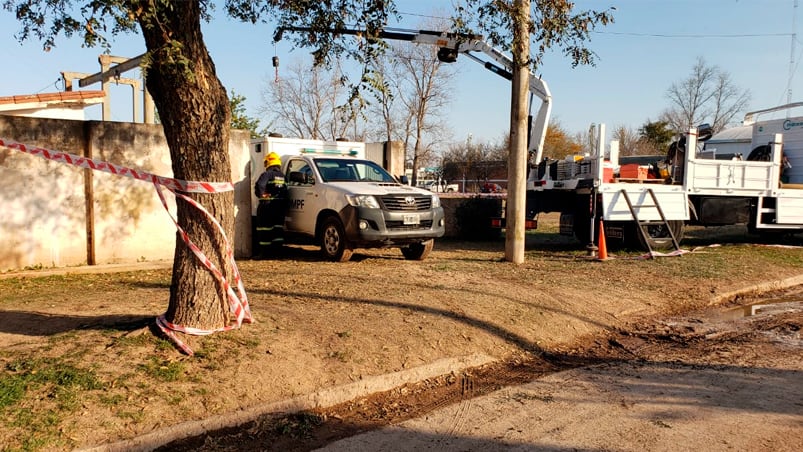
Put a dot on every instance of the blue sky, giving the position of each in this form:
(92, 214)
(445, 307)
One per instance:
(652, 44)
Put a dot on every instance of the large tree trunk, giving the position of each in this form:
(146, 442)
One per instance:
(194, 111)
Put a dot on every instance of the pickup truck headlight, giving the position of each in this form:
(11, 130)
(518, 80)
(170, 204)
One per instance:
(363, 201)
(436, 201)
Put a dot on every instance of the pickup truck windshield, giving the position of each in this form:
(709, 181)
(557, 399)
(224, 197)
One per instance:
(349, 170)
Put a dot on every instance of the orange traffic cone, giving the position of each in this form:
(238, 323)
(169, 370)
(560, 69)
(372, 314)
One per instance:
(602, 254)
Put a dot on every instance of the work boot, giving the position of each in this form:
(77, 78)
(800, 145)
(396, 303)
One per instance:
(261, 256)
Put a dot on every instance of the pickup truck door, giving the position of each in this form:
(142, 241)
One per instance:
(302, 191)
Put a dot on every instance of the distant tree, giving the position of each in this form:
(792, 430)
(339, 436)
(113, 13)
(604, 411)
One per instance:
(423, 93)
(239, 119)
(384, 106)
(657, 134)
(311, 101)
(631, 142)
(558, 144)
(708, 94)
(474, 161)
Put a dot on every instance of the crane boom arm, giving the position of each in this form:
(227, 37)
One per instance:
(449, 46)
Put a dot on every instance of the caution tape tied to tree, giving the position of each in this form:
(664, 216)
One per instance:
(238, 301)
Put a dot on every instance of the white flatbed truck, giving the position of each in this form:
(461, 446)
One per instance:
(652, 213)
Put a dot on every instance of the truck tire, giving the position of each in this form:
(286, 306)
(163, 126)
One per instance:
(760, 154)
(418, 251)
(334, 246)
(657, 235)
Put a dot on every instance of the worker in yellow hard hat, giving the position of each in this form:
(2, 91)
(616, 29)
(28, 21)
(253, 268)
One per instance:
(271, 190)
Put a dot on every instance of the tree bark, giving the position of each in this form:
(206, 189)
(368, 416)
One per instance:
(517, 157)
(195, 114)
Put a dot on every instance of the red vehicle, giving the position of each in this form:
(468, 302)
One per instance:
(492, 188)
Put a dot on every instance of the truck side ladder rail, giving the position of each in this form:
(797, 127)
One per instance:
(641, 223)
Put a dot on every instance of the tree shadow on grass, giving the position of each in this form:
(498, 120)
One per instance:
(46, 324)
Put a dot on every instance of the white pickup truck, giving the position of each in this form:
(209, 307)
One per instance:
(438, 187)
(342, 201)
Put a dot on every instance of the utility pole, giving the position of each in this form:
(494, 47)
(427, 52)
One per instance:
(517, 154)
(792, 58)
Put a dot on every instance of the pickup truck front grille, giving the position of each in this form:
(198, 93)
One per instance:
(400, 226)
(408, 203)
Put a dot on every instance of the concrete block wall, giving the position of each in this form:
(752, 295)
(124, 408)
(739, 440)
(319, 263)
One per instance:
(481, 208)
(59, 215)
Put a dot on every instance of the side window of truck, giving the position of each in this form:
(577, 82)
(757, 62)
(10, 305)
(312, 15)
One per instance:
(299, 173)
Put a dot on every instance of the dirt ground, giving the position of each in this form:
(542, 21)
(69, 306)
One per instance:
(323, 325)
(723, 379)
(691, 382)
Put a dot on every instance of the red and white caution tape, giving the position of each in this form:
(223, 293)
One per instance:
(238, 302)
(99, 165)
(238, 305)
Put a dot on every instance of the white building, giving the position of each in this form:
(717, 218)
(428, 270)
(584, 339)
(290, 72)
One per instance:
(730, 142)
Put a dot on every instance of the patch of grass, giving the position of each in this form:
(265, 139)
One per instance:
(32, 443)
(45, 289)
(163, 345)
(134, 340)
(210, 364)
(342, 356)
(112, 400)
(442, 267)
(239, 338)
(298, 425)
(163, 370)
(12, 389)
(27, 374)
(52, 383)
(135, 416)
(66, 336)
(201, 391)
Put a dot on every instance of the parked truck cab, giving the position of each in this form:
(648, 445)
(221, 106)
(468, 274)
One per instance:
(342, 201)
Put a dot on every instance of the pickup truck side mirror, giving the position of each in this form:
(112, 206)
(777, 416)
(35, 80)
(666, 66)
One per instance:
(403, 180)
(299, 178)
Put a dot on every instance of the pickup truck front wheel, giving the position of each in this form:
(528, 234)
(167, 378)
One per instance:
(334, 246)
(418, 251)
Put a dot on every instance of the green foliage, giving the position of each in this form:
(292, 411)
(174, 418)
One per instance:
(552, 24)
(298, 425)
(239, 118)
(657, 133)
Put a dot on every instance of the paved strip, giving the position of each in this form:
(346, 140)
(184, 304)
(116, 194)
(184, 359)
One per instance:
(320, 399)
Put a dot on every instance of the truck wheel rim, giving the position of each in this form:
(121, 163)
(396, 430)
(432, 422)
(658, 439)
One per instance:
(331, 240)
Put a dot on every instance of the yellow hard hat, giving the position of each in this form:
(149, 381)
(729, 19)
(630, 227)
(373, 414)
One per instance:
(272, 159)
